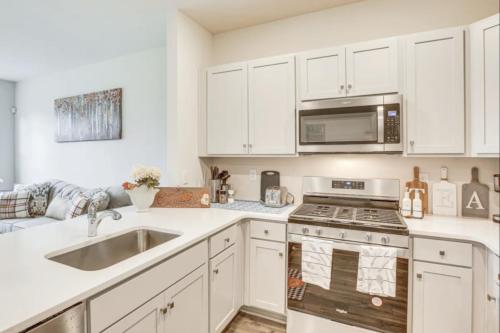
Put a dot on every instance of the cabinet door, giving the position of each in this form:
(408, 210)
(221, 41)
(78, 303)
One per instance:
(484, 69)
(145, 319)
(435, 92)
(187, 304)
(442, 298)
(372, 67)
(227, 106)
(222, 289)
(322, 74)
(267, 275)
(493, 294)
(271, 87)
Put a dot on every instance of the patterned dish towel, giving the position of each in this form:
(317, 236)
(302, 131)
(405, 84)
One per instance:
(296, 287)
(317, 261)
(377, 271)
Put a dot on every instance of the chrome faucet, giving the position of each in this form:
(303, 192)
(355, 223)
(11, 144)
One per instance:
(95, 220)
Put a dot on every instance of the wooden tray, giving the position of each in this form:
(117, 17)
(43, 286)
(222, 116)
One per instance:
(182, 197)
(417, 184)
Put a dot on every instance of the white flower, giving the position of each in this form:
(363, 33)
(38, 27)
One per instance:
(142, 172)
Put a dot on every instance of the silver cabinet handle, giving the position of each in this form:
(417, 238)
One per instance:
(227, 240)
(442, 253)
(341, 87)
(244, 145)
(163, 311)
(412, 142)
(280, 254)
(170, 305)
(491, 298)
(216, 271)
(419, 276)
(349, 87)
(266, 232)
(249, 145)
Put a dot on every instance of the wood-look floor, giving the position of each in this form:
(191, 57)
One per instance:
(245, 323)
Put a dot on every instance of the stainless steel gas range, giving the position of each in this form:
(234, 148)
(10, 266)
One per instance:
(352, 213)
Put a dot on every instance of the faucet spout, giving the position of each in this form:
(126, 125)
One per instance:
(95, 219)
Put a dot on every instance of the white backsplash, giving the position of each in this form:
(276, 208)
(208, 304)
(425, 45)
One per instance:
(292, 169)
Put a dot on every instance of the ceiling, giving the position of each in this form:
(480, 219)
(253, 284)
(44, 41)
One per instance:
(44, 36)
(223, 15)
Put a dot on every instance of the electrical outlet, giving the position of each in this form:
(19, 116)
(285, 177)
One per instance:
(253, 174)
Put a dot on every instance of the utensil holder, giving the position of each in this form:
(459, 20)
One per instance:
(213, 187)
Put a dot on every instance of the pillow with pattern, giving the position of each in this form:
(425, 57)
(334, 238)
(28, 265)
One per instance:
(78, 206)
(14, 205)
(99, 197)
(39, 197)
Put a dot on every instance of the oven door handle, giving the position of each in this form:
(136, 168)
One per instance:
(347, 245)
(380, 124)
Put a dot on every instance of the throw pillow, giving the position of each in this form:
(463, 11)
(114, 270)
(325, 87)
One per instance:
(39, 197)
(99, 198)
(118, 197)
(78, 206)
(14, 205)
(58, 207)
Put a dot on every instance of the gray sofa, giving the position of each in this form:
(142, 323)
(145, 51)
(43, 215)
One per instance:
(118, 198)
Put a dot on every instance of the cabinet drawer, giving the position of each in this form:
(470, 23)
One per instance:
(222, 240)
(443, 252)
(268, 231)
(114, 304)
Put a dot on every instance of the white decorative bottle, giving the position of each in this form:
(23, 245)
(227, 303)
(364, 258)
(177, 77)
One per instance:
(417, 205)
(406, 205)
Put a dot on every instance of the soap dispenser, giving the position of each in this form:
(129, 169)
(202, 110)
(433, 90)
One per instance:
(417, 204)
(406, 205)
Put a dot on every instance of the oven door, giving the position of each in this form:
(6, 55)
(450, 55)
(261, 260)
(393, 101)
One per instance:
(341, 302)
(353, 124)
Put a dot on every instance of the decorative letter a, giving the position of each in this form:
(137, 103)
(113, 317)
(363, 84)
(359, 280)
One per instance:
(474, 199)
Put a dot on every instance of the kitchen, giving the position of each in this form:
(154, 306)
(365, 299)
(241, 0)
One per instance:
(344, 117)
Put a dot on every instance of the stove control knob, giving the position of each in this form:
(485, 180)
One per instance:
(342, 234)
(305, 230)
(368, 237)
(319, 232)
(385, 240)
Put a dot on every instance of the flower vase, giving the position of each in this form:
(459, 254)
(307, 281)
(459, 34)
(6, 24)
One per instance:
(142, 197)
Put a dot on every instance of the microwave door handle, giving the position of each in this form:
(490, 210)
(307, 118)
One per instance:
(380, 124)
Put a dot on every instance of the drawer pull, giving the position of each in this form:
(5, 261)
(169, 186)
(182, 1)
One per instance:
(163, 311)
(280, 254)
(442, 253)
(491, 298)
(266, 232)
(419, 276)
(216, 271)
(170, 305)
(227, 240)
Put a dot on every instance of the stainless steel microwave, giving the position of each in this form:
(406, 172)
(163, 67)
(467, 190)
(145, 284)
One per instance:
(358, 125)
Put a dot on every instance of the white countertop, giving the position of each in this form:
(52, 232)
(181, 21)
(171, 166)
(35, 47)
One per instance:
(482, 231)
(33, 288)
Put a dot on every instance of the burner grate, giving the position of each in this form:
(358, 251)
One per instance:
(344, 213)
(377, 216)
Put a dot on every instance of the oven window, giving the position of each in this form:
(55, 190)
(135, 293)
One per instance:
(335, 128)
(342, 302)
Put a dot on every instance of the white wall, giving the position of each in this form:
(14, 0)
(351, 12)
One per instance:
(189, 52)
(142, 76)
(369, 19)
(360, 21)
(7, 90)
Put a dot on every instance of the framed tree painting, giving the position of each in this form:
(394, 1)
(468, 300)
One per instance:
(89, 117)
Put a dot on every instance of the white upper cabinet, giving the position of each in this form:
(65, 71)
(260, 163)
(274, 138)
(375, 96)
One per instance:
(227, 105)
(435, 92)
(271, 109)
(322, 74)
(484, 69)
(366, 68)
(372, 67)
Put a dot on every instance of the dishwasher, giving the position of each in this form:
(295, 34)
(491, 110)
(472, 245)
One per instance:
(71, 320)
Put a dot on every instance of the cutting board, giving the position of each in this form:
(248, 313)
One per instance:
(182, 197)
(417, 184)
(444, 196)
(475, 197)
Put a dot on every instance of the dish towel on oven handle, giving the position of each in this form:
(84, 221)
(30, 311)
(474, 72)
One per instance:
(317, 261)
(377, 271)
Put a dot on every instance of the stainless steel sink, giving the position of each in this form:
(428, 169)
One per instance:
(113, 250)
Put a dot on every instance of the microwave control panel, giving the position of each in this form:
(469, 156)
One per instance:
(392, 125)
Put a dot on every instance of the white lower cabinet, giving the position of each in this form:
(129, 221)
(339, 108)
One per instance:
(442, 298)
(223, 275)
(267, 275)
(493, 294)
(146, 319)
(186, 309)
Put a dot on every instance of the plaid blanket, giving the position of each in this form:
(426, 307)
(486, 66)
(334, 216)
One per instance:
(14, 204)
